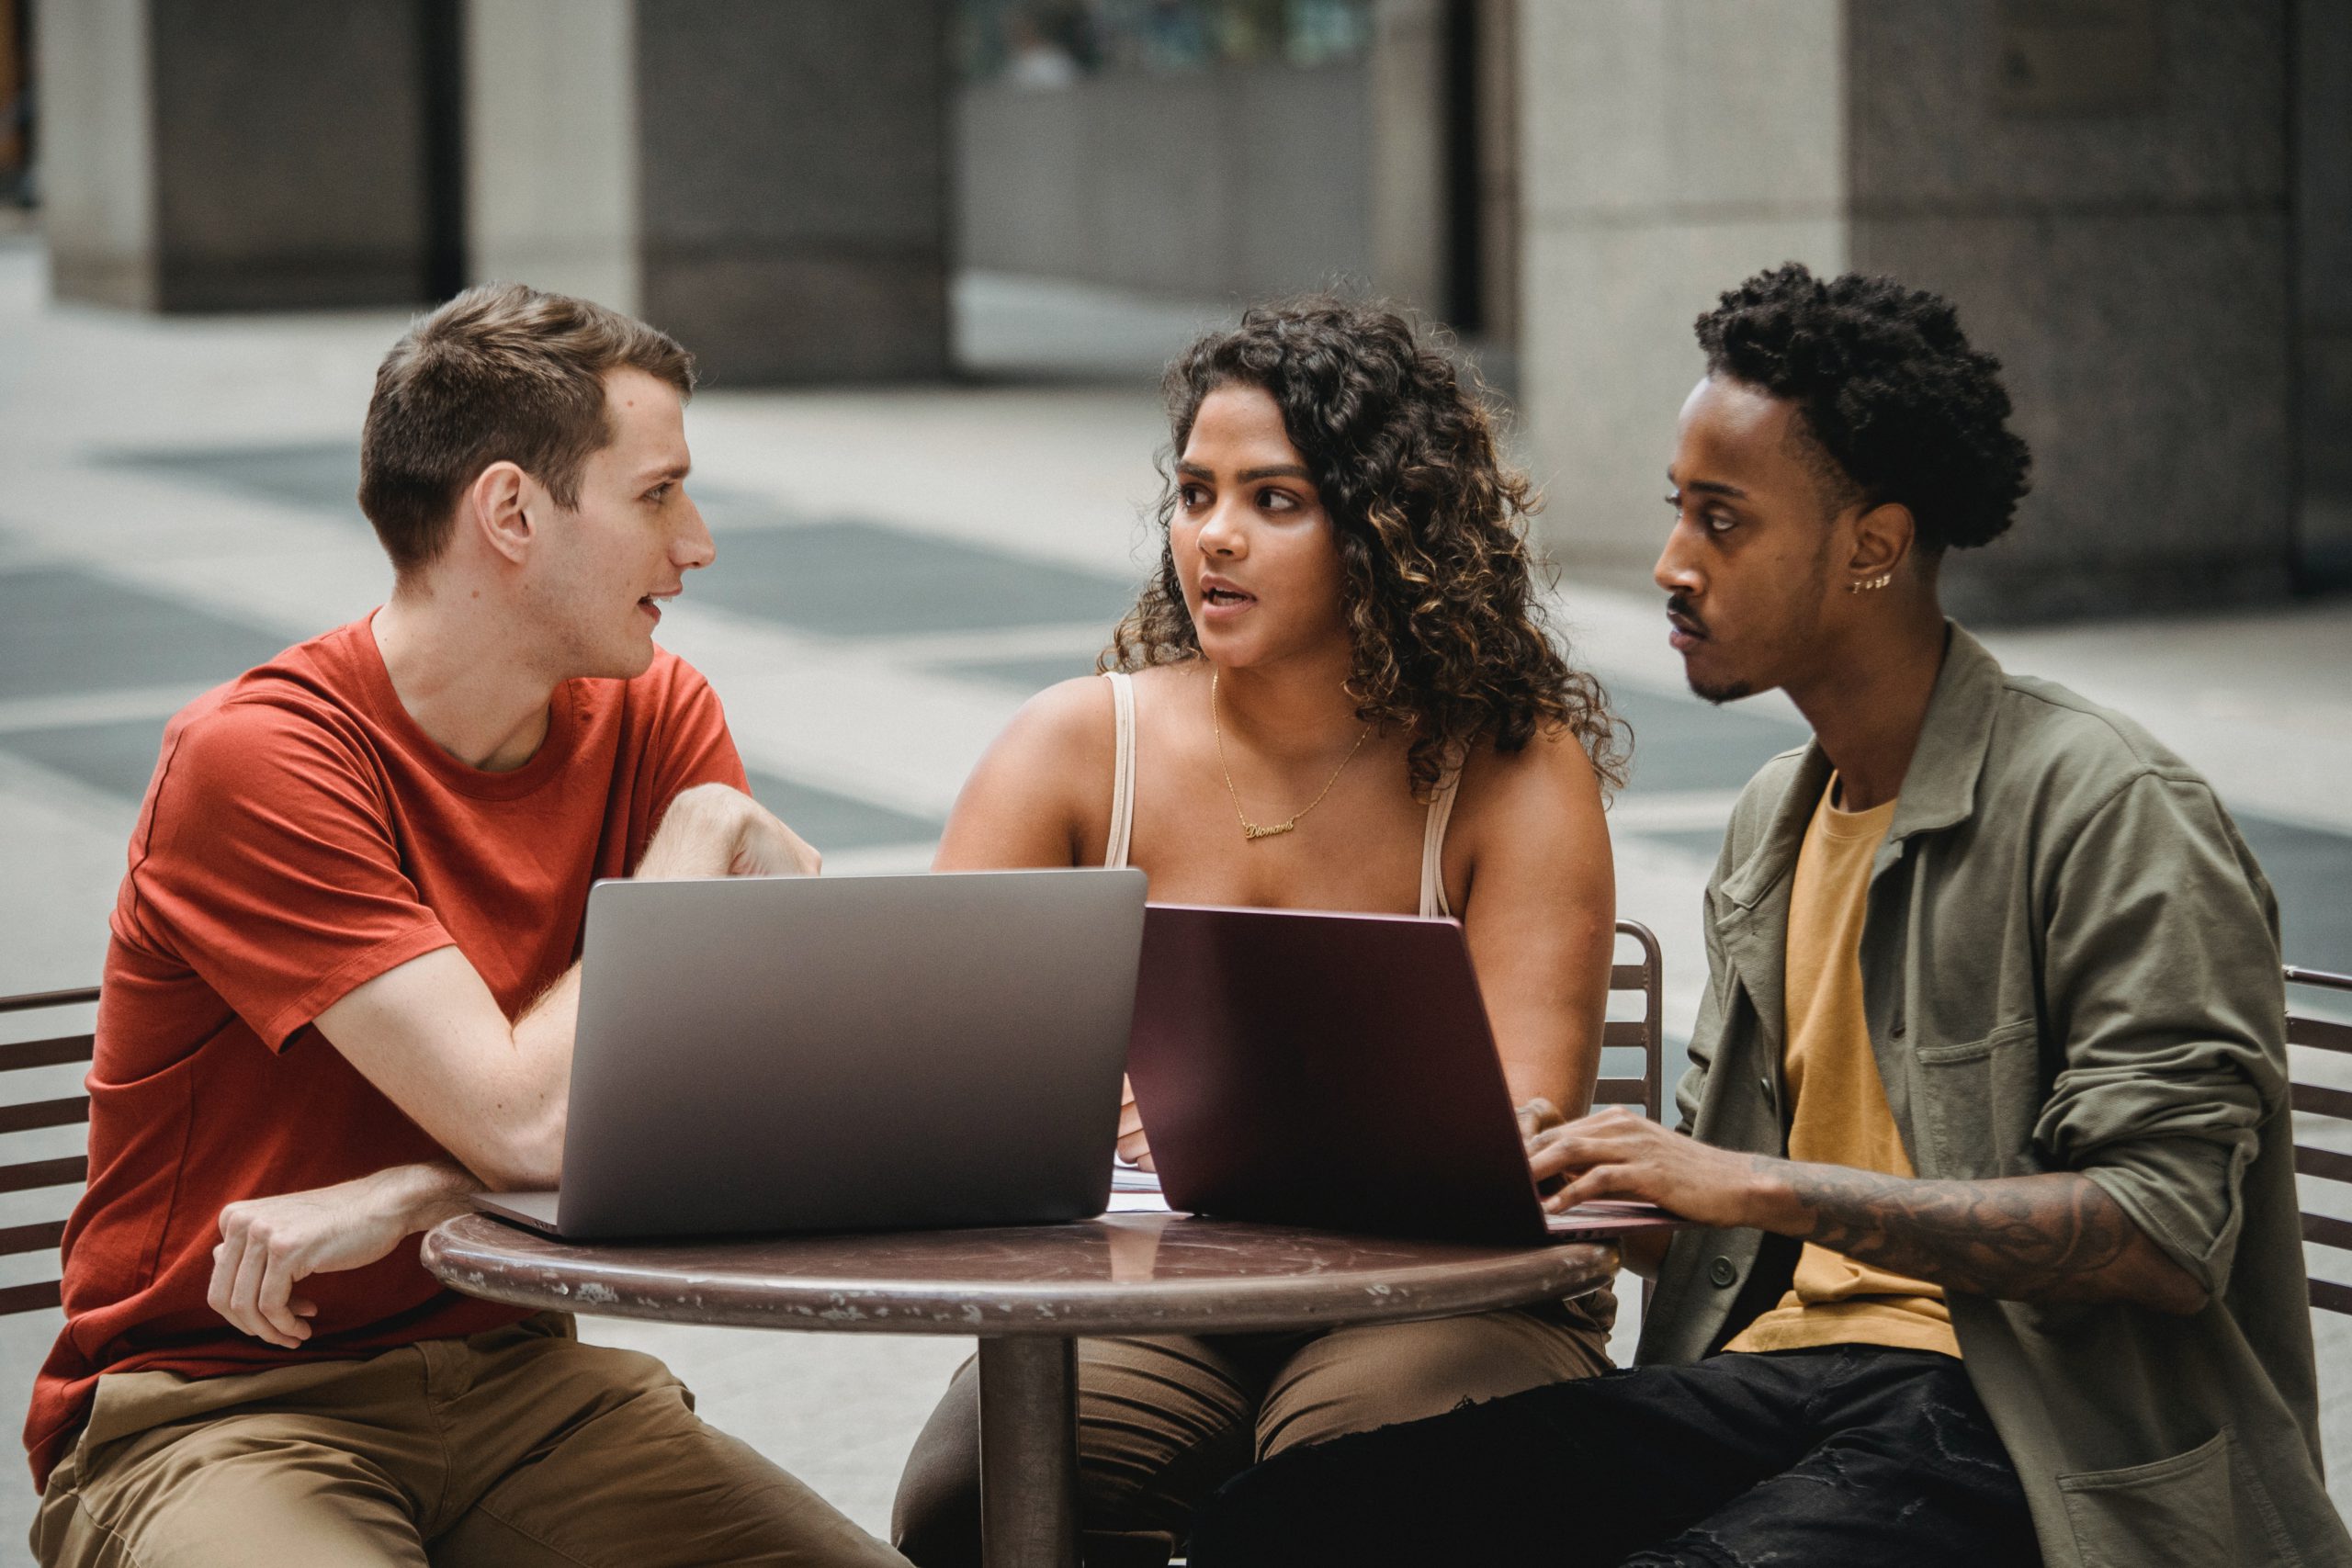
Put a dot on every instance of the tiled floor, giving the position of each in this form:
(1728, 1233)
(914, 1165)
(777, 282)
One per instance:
(837, 822)
(868, 580)
(67, 632)
(899, 569)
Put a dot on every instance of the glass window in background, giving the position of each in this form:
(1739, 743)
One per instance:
(1049, 44)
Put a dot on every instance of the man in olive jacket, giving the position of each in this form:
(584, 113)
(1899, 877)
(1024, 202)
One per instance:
(1985, 1132)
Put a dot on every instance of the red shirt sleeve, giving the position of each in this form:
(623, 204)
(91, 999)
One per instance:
(690, 744)
(269, 866)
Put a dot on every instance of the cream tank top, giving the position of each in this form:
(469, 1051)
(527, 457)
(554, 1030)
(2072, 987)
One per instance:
(1122, 802)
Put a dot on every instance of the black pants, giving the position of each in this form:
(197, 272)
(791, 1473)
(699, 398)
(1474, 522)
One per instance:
(1847, 1455)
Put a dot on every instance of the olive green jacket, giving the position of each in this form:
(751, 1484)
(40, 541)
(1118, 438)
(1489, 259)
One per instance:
(2070, 962)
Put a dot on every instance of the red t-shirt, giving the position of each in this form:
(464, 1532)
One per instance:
(301, 836)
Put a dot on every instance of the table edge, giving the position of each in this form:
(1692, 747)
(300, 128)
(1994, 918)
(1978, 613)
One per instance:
(1187, 1306)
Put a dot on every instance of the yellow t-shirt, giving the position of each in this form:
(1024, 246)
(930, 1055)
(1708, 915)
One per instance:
(1839, 1110)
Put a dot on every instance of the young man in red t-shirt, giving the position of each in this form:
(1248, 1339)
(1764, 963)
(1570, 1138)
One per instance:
(341, 993)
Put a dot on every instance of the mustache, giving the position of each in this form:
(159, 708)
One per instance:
(1679, 606)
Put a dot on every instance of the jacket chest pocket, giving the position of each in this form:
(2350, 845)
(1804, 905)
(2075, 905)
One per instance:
(1975, 1105)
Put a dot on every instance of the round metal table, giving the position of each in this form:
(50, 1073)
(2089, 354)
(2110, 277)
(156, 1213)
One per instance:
(1028, 1293)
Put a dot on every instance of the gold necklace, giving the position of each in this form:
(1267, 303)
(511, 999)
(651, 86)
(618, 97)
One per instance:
(1250, 829)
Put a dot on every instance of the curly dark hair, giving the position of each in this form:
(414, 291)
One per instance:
(1889, 390)
(1451, 641)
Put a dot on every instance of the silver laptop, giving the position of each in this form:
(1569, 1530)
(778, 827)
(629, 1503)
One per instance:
(862, 1052)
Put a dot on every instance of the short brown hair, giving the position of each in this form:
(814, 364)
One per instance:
(501, 373)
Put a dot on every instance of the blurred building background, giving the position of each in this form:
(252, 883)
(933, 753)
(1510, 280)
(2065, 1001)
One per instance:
(2142, 205)
(932, 254)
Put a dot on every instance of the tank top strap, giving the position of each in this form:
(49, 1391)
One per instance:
(1433, 846)
(1122, 766)
(1123, 801)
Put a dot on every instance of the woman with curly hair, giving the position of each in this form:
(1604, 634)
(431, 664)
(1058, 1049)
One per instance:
(1337, 693)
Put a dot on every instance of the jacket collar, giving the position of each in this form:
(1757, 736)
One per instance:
(1938, 788)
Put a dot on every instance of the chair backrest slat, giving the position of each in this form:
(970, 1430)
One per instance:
(15, 1239)
(2317, 1101)
(33, 1002)
(2320, 1102)
(2320, 1033)
(73, 1170)
(2325, 1164)
(2333, 1297)
(44, 1113)
(1626, 1034)
(2327, 1231)
(31, 1298)
(44, 1052)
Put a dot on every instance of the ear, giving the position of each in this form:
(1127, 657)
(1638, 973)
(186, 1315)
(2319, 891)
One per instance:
(1883, 539)
(498, 506)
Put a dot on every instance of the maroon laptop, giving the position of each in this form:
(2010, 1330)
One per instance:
(1335, 1070)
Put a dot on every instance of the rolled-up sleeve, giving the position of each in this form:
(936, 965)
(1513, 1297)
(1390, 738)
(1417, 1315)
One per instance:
(2163, 988)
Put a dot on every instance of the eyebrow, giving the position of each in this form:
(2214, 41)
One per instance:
(666, 471)
(1275, 471)
(1707, 487)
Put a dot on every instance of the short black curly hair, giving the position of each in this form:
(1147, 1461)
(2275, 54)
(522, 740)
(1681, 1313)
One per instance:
(1903, 409)
(1451, 644)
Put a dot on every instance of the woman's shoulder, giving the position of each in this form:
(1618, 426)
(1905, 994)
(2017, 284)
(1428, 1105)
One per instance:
(1554, 755)
(1548, 783)
(1159, 678)
(1042, 786)
(1065, 723)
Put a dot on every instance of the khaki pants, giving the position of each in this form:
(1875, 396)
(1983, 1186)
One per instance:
(515, 1447)
(1164, 1422)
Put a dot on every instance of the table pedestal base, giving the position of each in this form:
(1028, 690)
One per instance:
(1029, 1453)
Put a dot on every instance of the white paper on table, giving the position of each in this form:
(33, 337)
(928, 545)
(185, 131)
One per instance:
(1135, 1191)
(1138, 1203)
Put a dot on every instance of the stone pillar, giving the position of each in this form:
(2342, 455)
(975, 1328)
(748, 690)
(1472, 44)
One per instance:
(1665, 152)
(2322, 160)
(1405, 86)
(1495, 97)
(2103, 191)
(551, 189)
(766, 179)
(97, 157)
(2101, 185)
(246, 155)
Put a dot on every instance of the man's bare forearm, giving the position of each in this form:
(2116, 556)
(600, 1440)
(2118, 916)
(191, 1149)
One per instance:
(424, 1195)
(2054, 1237)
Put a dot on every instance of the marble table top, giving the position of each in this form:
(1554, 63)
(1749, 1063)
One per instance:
(1119, 1274)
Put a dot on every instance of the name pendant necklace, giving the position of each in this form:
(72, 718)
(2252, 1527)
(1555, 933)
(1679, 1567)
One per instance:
(1272, 829)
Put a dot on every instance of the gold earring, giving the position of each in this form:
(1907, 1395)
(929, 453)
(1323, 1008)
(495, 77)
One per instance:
(1866, 584)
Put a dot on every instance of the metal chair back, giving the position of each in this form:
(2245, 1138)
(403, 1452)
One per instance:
(1644, 977)
(18, 1115)
(1644, 1034)
(2320, 1111)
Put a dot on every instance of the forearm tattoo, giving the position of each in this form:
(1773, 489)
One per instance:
(2022, 1238)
